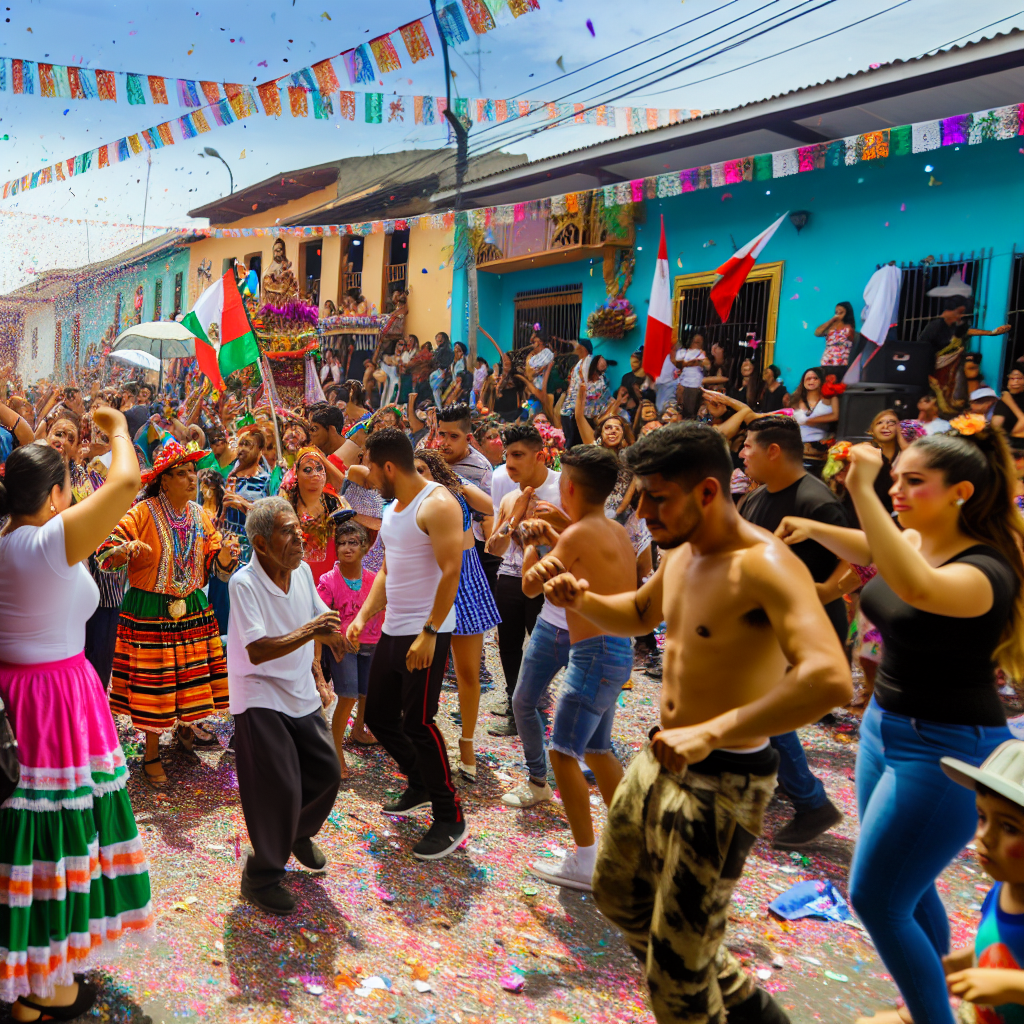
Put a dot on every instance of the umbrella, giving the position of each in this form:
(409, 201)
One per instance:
(165, 339)
(143, 359)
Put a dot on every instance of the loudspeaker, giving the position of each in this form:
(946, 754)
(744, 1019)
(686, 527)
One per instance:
(901, 362)
(860, 403)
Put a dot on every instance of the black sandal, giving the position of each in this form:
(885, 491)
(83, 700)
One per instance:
(182, 733)
(83, 1002)
(209, 741)
(153, 783)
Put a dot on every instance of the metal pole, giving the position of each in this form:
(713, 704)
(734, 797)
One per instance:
(145, 201)
(461, 166)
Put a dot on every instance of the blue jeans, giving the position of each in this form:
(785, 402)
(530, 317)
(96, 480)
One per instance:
(351, 675)
(913, 821)
(547, 652)
(598, 668)
(804, 789)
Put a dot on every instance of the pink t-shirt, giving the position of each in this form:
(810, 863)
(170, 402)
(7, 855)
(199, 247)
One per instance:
(337, 594)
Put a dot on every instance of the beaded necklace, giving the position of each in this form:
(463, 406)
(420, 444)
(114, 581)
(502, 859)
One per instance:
(180, 532)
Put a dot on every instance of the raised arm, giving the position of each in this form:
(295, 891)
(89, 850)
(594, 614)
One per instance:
(822, 329)
(582, 424)
(850, 545)
(958, 589)
(90, 522)
(633, 613)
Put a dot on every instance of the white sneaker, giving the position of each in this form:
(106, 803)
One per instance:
(565, 872)
(528, 794)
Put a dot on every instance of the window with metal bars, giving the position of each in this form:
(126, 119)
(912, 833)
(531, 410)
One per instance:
(556, 313)
(1015, 314)
(749, 332)
(916, 307)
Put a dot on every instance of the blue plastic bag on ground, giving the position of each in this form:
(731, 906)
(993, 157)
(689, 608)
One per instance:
(811, 899)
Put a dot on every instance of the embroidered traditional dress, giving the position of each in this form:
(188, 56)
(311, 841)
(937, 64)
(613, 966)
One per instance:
(169, 663)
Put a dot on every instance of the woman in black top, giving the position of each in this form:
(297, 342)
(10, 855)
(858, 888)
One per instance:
(773, 391)
(948, 602)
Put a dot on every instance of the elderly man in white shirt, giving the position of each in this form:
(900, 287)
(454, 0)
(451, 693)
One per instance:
(288, 771)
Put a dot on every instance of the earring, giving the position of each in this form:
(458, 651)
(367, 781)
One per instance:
(959, 502)
(53, 510)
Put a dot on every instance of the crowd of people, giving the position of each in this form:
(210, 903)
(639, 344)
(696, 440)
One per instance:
(314, 574)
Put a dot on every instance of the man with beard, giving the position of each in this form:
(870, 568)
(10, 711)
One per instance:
(422, 534)
(749, 654)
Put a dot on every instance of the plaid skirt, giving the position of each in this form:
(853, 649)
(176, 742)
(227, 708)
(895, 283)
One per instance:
(167, 670)
(475, 610)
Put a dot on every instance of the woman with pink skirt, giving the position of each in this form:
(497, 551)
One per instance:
(73, 875)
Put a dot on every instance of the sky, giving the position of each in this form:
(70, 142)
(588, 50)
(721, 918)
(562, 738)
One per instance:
(694, 54)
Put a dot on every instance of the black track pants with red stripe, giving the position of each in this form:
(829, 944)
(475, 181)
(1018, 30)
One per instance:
(400, 709)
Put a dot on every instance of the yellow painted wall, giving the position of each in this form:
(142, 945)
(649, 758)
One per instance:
(218, 249)
(331, 257)
(429, 293)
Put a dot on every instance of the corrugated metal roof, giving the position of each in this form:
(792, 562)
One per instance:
(916, 67)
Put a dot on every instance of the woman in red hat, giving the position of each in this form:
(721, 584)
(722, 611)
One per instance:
(169, 664)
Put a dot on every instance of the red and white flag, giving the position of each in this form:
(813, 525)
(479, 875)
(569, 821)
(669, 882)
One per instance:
(733, 272)
(658, 339)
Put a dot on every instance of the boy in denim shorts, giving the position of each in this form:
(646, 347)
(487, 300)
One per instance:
(597, 549)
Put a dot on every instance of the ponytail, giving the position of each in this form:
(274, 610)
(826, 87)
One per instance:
(990, 516)
(31, 472)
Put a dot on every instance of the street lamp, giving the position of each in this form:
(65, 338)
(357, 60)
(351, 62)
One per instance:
(210, 151)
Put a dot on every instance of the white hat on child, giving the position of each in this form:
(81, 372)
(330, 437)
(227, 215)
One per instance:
(1002, 771)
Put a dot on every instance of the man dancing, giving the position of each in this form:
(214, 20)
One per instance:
(749, 654)
(422, 535)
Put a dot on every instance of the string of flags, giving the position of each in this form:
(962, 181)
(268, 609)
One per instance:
(243, 101)
(362, 64)
(998, 124)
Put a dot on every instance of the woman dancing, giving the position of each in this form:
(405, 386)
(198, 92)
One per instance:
(475, 610)
(949, 604)
(169, 664)
(76, 877)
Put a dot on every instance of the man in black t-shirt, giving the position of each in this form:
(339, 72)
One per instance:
(773, 456)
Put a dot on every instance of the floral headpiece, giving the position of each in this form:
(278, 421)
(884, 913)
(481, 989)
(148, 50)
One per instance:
(912, 430)
(837, 455)
(832, 388)
(173, 454)
(968, 424)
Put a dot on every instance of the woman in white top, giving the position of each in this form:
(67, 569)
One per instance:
(68, 843)
(816, 414)
(540, 361)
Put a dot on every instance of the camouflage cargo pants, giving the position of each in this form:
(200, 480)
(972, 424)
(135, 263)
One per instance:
(670, 855)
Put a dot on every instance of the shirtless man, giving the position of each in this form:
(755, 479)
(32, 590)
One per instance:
(594, 546)
(749, 654)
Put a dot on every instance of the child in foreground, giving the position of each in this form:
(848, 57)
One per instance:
(989, 976)
(344, 589)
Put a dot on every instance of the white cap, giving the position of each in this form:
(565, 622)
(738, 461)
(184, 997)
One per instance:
(1002, 771)
(979, 393)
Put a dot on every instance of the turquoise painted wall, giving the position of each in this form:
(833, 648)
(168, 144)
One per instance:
(860, 216)
(95, 301)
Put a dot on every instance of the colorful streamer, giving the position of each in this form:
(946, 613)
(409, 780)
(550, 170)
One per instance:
(414, 35)
(385, 54)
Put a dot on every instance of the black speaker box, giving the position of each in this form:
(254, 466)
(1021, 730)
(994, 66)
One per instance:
(901, 362)
(860, 403)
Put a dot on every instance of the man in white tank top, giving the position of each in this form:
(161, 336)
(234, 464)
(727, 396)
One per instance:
(422, 536)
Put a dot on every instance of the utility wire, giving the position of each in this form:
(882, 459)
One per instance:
(527, 133)
(552, 123)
